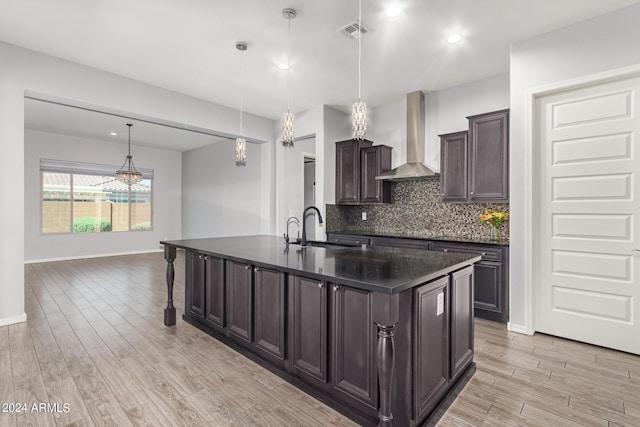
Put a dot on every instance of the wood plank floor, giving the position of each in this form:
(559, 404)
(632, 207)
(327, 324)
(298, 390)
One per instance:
(95, 340)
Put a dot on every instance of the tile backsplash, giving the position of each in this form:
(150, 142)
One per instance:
(416, 209)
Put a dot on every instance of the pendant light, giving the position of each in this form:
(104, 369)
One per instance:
(288, 119)
(241, 142)
(359, 109)
(128, 173)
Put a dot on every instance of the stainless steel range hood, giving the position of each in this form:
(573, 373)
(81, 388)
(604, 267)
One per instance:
(413, 168)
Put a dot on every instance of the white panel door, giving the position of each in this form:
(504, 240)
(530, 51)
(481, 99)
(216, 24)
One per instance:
(586, 268)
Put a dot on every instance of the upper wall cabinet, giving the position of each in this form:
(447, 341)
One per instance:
(357, 165)
(489, 157)
(474, 164)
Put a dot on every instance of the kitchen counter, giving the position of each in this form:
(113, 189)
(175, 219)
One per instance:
(378, 269)
(424, 236)
(384, 335)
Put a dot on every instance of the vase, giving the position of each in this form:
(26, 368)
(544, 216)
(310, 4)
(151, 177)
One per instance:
(494, 233)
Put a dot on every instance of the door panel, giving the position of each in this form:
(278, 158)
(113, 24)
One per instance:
(214, 285)
(585, 272)
(240, 300)
(269, 311)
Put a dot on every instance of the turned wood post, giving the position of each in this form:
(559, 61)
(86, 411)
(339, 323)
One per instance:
(385, 316)
(170, 311)
(385, 373)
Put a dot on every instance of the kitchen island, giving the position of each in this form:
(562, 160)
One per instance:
(384, 335)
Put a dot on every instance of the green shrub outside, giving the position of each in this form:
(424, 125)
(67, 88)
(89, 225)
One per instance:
(142, 226)
(89, 224)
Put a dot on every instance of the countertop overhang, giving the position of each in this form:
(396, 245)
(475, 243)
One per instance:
(378, 269)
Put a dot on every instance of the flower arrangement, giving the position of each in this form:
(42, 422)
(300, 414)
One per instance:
(494, 219)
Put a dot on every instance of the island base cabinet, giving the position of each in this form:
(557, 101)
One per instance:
(431, 350)
(461, 320)
(308, 326)
(354, 345)
(194, 292)
(214, 292)
(239, 301)
(269, 305)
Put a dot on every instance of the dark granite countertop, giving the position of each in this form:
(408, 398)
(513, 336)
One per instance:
(425, 236)
(378, 269)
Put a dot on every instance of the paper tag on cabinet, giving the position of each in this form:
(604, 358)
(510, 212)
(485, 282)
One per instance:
(440, 304)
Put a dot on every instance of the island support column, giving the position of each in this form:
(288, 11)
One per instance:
(170, 311)
(386, 311)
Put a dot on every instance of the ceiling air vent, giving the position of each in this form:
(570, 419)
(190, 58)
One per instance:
(351, 29)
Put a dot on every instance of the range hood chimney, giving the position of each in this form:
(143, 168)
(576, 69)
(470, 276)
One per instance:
(413, 168)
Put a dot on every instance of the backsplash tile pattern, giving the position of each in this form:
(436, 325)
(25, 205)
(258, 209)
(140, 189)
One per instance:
(416, 209)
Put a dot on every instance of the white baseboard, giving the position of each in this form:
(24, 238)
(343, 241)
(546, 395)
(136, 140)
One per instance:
(520, 329)
(13, 320)
(34, 261)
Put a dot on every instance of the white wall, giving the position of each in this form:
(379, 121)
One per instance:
(327, 125)
(166, 197)
(23, 70)
(219, 198)
(445, 111)
(293, 196)
(600, 44)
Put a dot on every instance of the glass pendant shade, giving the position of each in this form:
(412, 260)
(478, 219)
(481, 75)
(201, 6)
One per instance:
(288, 123)
(241, 152)
(359, 120)
(128, 173)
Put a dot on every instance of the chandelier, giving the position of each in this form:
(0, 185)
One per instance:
(359, 109)
(241, 142)
(128, 173)
(288, 118)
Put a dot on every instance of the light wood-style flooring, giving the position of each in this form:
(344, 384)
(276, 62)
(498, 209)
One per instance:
(95, 340)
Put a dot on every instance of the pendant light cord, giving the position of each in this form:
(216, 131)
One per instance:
(129, 140)
(359, 49)
(241, 87)
(288, 64)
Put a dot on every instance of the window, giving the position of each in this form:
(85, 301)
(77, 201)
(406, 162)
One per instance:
(86, 198)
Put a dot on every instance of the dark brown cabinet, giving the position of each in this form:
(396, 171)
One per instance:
(357, 165)
(354, 343)
(351, 239)
(491, 281)
(453, 167)
(489, 157)
(461, 320)
(195, 277)
(308, 326)
(214, 292)
(431, 351)
(400, 243)
(269, 311)
(239, 300)
(474, 164)
(374, 161)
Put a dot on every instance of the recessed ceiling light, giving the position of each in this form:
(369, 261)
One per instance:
(454, 38)
(113, 134)
(394, 10)
(283, 66)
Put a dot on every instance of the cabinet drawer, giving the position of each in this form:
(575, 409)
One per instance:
(488, 253)
(400, 243)
(347, 238)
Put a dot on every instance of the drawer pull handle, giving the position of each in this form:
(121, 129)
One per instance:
(445, 250)
(206, 257)
(256, 269)
(335, 288)
(247, 267)
(199, 256)
(321, 285)
(471, 193)
(484, 253)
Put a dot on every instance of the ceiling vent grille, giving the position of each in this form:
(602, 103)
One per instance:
(353, 30)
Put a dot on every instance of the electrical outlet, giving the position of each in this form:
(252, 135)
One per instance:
(440, 304)
(364, 216)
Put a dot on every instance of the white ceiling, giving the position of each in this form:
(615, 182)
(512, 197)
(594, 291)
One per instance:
(189, 46)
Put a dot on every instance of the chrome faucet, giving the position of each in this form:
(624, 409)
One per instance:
(303, 242)
(296, 221)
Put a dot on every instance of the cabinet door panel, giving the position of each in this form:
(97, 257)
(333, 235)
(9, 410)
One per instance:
(431, 350)
(195, 284)
(488, 292)
(309, 325)
(354, 345)
(453, 167)
(374, 161)
(214, 285)
(269, 312)
(461, 320)
(239, 300)
(400, 243)
(489, 157)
